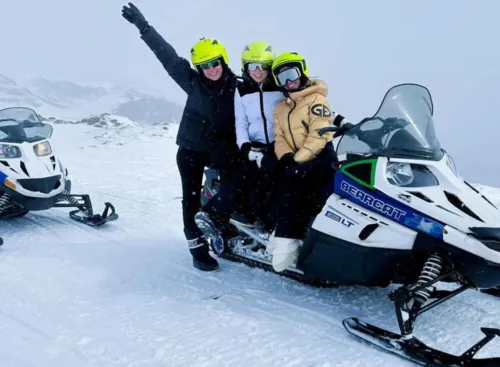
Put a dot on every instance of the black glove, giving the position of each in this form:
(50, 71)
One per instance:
(245, 149)
(287, 160)
(134, 16)
(343, 129)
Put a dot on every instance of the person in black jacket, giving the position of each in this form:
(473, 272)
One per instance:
(206, 135)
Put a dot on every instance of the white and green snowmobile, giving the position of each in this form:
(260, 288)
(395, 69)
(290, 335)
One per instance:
(398, 213)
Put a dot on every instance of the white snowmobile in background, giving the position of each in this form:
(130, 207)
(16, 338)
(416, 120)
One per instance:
(32, 178)
(397, 213)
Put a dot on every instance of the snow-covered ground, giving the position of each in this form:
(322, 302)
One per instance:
(127, 295)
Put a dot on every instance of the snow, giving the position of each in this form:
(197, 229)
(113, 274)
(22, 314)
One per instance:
(127, 295)
(68, 100)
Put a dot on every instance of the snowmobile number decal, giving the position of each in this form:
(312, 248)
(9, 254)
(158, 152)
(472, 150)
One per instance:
(372, 201)
(339, 219)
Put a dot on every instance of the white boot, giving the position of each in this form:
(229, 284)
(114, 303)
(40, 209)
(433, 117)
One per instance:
(285, 252)
(271, 243)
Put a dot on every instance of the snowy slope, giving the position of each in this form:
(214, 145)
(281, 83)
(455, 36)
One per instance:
(126, 295)
(73, 101)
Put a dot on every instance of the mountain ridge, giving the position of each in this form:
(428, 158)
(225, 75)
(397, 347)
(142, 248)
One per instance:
(76, 101)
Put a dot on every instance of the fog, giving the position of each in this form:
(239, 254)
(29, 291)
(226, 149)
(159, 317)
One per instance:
(360, 48)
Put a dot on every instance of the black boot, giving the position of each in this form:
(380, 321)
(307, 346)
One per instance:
(201, 258)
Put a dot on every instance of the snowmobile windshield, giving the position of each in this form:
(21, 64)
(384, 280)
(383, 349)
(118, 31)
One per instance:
(403, 127)
(20, 124)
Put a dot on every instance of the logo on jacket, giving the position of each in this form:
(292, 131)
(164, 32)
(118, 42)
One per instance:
(372, 201)
(321, 110)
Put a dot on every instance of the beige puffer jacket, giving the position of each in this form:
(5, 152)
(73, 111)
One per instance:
(297, 119)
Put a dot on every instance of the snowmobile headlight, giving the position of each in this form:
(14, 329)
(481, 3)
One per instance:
(399, 174)
(410, 175)
(9, 151)
(42, 149)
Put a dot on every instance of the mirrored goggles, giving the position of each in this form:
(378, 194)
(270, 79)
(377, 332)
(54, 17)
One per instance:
(252, 66)
(288, 75)
(210, 64)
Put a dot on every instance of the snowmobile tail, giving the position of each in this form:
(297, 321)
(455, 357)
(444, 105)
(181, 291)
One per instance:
(85, 212)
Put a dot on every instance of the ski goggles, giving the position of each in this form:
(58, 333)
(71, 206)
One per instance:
(288, 75)
(252, 66)
(210, 64)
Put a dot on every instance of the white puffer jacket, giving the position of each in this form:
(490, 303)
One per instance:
(254, 111)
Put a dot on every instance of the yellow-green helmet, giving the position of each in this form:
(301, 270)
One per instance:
(257, 51)
(208, 49)
(291, 59)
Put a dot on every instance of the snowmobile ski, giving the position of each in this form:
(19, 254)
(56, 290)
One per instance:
(85, 213)
(416, 351)
(208, 228)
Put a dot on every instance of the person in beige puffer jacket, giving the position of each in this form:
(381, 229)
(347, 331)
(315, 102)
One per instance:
(306, 158)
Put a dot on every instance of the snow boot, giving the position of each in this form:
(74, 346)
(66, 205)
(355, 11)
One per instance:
(201, 258)
(271, 243)
(210, 231)
(285, 252)
(218, 234)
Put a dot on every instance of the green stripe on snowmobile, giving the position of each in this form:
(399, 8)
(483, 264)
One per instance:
(372, 162)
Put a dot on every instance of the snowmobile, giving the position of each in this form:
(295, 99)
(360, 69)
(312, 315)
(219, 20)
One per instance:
(398, 213)
(32, 178)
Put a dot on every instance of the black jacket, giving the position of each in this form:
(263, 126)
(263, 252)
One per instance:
(208, 117)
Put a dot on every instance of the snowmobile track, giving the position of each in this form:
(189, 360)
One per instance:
(287, 273)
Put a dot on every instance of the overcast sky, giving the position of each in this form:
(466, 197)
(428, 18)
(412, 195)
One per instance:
(359, 47)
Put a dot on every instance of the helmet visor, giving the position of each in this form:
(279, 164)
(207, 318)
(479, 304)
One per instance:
(210, 64)
(288, 75)
(252, 66)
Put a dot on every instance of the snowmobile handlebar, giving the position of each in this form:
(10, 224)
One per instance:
(327, 129)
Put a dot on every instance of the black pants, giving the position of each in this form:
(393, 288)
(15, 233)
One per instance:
(263, 185)
(191, 165)
(303, 190)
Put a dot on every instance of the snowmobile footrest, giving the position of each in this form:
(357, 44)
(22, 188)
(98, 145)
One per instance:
(416, 351)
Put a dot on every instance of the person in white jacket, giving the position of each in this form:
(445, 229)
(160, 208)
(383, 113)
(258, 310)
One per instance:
(255, 98)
